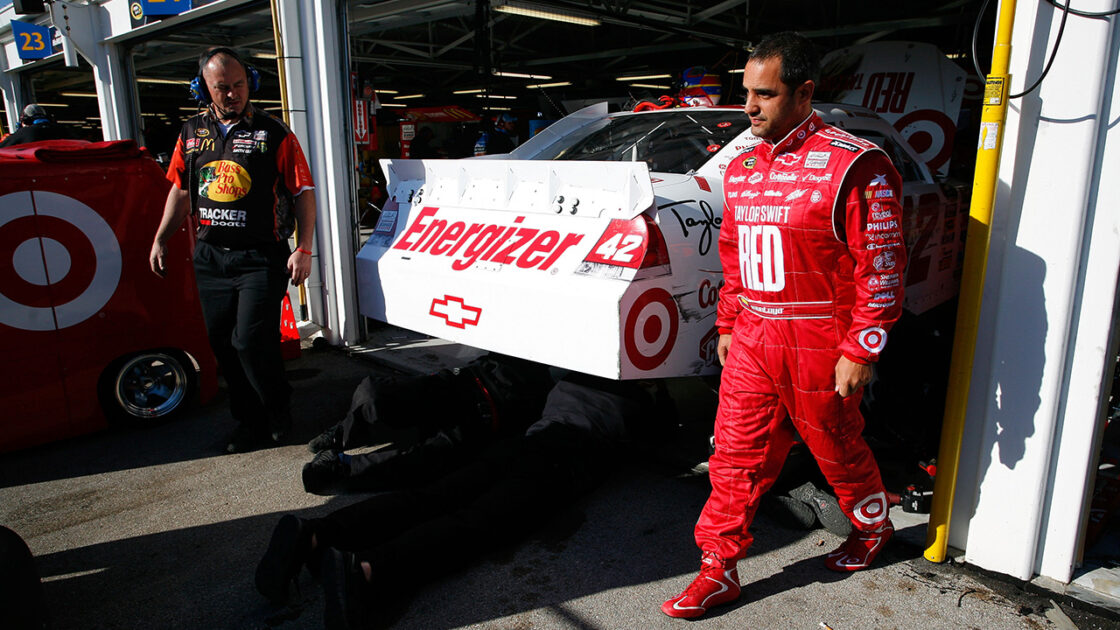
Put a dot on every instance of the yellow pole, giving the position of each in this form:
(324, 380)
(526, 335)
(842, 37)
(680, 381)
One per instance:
(972, 285)
(281, 74)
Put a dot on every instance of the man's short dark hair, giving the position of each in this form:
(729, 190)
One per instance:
(800, 61)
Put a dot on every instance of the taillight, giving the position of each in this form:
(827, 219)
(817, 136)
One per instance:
(657, 251)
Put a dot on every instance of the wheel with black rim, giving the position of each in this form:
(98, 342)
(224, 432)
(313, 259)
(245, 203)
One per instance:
(148, 386)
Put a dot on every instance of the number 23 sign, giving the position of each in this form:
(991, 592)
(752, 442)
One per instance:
(32, 41)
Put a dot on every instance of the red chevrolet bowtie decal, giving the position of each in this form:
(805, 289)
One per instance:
(455, 311)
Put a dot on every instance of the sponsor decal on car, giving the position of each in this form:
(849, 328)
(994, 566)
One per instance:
(468, 242)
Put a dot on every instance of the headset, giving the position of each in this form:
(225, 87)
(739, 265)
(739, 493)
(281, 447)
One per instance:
(198, 89)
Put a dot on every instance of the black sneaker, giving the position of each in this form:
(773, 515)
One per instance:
(826, 507)
(280, 429)
(323, 471)
(329, 440)
(345, 591)
(244, 439)
(288, 550)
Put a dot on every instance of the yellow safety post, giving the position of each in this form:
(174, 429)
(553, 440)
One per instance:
(972, 285)
(284, 112)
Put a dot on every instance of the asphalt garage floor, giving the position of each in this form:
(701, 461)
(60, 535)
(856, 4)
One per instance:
(155, 529)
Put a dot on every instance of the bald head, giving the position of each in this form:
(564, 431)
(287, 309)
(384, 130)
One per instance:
(227, 84)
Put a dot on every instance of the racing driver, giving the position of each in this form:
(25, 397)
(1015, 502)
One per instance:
(813, 255)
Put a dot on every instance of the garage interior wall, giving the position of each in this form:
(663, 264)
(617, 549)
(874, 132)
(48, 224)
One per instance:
(1035, 407)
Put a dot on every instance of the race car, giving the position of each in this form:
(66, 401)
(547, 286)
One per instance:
(593, 246)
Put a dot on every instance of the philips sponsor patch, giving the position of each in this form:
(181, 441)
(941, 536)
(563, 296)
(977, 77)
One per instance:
(817, 159)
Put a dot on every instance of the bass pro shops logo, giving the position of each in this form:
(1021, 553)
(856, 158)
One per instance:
(223, 180)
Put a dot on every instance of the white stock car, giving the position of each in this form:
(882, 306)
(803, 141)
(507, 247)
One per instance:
(593, 246)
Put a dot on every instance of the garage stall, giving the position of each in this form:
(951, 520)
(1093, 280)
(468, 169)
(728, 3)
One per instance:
(344, 73)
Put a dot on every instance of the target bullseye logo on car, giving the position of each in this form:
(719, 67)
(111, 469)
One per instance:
(651, 329)
(61, 261)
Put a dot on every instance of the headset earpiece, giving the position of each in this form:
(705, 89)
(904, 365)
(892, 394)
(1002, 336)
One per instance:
(198, 91)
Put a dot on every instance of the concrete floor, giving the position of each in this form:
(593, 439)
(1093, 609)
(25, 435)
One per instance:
(155, 529)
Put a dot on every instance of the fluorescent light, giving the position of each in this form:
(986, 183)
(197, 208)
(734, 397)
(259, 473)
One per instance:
(498, 109)
(393, 105)
(476, 91)
(547, 15)
(645, 77)
(652, 86)
(268, 101)
(79, 94)
(499, 96)
(53, 104)
(380, 91)
(519, 75)
(401, 98)
(190, 109)
(549, 85)
(264, 55)
(735, 71)
(161, 81)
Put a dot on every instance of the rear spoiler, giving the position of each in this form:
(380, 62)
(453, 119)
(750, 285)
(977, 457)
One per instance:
(615, 190)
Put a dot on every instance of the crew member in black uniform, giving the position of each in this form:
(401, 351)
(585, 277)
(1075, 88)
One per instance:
(245, 175)
(35, 124)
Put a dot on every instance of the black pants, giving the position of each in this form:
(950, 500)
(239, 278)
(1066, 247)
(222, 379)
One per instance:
(241, 292)
(414, 535)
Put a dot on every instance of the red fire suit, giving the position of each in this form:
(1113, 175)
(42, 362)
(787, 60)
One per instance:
(813, 255)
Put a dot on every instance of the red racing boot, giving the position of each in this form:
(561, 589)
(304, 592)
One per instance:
(859, 550)
(717, 584)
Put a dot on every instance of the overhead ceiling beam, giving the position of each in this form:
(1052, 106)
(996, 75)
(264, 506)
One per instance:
(722, 7)
(606, 54)
(891, 25)
(416, 63)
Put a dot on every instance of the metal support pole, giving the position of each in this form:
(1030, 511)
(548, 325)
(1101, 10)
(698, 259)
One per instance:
(992, 122)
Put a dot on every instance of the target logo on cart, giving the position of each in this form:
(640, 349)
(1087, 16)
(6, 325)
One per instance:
(60, 262)
(651, 329)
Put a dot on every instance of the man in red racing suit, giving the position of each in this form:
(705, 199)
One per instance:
(813, 255)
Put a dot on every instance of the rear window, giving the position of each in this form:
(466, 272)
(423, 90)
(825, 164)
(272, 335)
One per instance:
(679, 141)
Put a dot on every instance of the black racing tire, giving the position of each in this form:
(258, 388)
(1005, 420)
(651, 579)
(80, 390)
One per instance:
(148, 386)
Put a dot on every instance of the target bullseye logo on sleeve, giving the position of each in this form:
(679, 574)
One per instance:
(60, 262)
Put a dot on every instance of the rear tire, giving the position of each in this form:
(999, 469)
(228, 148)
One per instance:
(147, 386)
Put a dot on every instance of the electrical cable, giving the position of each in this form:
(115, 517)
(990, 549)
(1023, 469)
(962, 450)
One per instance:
(976, 37)
(1089, 14)
(1053, 55)
(1066, 10)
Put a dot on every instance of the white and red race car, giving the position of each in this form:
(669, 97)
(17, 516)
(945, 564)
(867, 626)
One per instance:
(593, 246)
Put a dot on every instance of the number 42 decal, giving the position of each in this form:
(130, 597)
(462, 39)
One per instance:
(623, 244)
